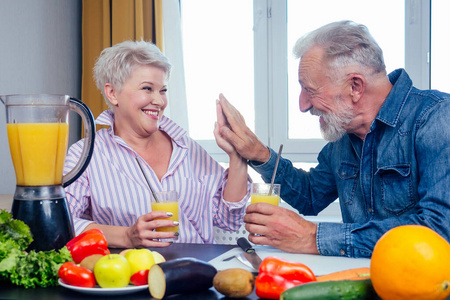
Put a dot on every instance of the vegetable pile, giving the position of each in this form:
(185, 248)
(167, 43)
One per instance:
(30, 269)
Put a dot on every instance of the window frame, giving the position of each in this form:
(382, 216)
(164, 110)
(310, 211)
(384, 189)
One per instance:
(270, 65)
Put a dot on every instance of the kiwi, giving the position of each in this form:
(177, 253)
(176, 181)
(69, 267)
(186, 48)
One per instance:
(90, 261)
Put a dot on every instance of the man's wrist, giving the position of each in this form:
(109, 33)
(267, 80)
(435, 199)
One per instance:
(263, 156)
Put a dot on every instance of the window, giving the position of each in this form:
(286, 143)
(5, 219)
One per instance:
(440, 43)
(218, 55)
(301, 19)
(243, 49)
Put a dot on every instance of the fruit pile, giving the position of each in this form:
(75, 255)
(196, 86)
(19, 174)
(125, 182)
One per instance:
(94, 264)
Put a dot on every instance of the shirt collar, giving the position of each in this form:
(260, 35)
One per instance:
(393, 105)
(175, 132)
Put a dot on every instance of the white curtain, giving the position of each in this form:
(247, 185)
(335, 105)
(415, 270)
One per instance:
(173, 49)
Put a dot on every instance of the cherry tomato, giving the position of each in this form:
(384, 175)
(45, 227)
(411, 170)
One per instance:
(140, 277)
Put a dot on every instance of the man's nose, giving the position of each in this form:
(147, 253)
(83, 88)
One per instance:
(304, 102)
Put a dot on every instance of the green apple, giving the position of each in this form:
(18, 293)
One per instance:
(139, 259)
(112, 271)
(123, 252)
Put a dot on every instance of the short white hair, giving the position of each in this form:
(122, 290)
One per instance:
(345, 43)
(115, 64)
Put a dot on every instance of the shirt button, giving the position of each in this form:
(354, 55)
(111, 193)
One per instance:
(341, 252)
(370, 210)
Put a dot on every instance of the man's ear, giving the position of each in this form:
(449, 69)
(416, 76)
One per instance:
(358, 86)
(110, 93)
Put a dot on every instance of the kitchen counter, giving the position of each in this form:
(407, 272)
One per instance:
(6, 201)
(213, 254)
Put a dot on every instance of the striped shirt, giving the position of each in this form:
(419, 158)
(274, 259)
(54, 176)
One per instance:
(113, 191)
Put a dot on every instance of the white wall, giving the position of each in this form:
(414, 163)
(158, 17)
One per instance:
(40, 52)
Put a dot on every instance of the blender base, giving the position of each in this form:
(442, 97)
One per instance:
(49, 220)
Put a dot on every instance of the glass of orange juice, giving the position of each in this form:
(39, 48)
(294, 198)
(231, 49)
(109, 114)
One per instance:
(260, 193)
(167, 201)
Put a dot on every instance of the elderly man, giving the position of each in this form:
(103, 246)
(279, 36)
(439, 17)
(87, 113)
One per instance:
(387, 159)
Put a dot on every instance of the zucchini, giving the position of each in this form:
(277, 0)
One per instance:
(182, 275)
(343, 289)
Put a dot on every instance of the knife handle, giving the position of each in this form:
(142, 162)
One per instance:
(245, 245)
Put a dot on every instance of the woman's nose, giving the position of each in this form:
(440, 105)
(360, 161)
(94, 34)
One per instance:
(157, 99)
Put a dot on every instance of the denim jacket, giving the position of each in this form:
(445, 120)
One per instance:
(398, 175)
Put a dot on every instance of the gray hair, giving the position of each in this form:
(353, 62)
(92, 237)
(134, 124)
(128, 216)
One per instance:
(345, 43)
(115, 64)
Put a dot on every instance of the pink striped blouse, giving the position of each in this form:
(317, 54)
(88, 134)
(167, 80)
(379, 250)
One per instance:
(113, 191)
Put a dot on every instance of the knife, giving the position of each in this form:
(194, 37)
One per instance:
(249, 252)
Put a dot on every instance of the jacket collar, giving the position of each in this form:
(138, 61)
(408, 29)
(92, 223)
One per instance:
(392, 107)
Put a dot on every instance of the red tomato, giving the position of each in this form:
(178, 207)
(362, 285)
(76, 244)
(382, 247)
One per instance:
(75, 275)
(140, 278)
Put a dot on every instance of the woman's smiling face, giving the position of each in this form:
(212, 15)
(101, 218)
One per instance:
(140, 103)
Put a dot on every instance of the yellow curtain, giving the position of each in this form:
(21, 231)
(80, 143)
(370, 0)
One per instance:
(108, 22)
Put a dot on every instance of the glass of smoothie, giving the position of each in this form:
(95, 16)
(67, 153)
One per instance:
(167, 201)
(260, 192)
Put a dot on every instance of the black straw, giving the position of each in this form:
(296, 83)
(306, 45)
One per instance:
(275, 170)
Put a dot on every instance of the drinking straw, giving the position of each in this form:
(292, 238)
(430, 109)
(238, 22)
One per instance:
(275, 170)
(148, 182)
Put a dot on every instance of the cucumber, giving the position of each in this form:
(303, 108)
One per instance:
(344, 289)
(178, 276)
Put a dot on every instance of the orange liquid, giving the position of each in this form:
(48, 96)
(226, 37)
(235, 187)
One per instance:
(170, 207)
(273, 199)
(38, 151)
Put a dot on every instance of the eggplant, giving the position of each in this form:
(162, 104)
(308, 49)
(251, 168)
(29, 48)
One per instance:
(178, 276)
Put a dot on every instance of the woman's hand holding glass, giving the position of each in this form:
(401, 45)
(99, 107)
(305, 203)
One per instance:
(143, 233)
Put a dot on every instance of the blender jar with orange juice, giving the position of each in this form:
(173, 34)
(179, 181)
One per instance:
(38, 130)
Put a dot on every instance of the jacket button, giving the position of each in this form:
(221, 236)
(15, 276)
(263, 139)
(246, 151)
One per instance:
(341, 252)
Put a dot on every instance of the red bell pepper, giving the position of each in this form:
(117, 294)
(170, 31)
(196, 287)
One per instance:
(86, 244)
(75, 275)
(277, 275)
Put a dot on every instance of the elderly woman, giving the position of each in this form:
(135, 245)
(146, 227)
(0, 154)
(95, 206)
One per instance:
(113, 195)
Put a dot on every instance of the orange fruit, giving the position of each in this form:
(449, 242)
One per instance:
(411, 262)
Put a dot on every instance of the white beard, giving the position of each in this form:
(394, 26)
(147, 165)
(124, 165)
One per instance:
(334, 123)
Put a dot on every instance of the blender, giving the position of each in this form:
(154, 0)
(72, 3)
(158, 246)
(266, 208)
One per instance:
(38, 131)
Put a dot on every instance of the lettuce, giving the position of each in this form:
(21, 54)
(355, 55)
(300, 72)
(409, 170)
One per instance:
(39, 268)
(26, 269)
(15, 231)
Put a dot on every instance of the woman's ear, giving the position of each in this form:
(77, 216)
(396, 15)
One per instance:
(110, 93)
(358, 86)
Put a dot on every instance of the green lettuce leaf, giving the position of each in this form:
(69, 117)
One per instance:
(39, 268)
(26, 269)
(14, 230)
